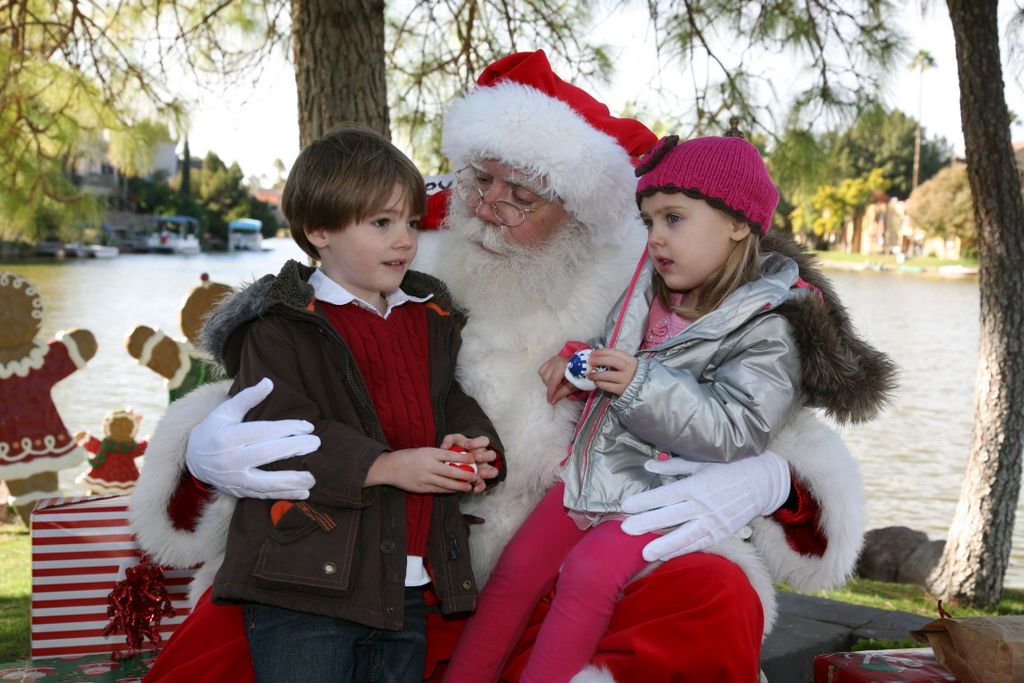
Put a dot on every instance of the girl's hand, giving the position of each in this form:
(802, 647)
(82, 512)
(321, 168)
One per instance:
(621, 369)
(552, 373)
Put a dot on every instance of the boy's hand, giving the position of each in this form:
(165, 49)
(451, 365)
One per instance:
(479, 454)
(552, 373)
(422, 470)
(621, 369)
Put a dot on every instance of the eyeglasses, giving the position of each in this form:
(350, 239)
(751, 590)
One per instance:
(509, 214)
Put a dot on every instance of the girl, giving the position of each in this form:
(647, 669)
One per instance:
(697, 361)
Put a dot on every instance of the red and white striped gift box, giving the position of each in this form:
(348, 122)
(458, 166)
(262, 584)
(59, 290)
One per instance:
(80, 549)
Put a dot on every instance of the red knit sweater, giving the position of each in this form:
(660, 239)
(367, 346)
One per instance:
(392, 357)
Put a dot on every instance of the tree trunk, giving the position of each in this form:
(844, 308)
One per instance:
(185, 189)
(974, 562)
(858, 226)
(338, 47)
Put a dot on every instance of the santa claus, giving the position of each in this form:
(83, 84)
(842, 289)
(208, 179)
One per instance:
(532, 270)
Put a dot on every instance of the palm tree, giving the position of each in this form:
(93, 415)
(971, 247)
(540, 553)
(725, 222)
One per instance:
(922, 61)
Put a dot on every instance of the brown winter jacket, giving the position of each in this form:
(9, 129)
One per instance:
(342, 553)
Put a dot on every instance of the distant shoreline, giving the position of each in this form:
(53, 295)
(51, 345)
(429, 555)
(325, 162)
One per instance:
(946, 271)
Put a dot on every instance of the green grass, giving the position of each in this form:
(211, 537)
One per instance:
(15, 592)
(890, 259)
(907, 598)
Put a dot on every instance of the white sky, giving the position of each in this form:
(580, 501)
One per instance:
(254, 125)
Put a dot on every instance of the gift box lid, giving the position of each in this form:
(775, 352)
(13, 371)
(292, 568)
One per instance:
(910, 665)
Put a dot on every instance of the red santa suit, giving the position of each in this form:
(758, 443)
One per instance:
(697, 617)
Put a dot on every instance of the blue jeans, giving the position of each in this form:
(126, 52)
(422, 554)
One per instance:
(289, 646)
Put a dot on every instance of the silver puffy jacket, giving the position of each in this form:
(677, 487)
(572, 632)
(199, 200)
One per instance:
(717, 391)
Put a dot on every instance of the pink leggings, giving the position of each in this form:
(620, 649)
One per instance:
(595, 566)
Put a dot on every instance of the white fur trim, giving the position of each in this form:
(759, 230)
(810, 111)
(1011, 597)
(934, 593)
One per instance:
(69, 342)
(525, 128)
(164, 464)
(821, 461)
(593, 674)
(203, 579)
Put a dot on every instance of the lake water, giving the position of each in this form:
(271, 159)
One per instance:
(912, 457)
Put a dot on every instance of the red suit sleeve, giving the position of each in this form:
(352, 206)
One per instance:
(188, 501)
(800, 517)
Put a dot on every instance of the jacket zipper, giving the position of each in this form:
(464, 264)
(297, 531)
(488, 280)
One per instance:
(440, 422)
(328, 331)
(592, 434)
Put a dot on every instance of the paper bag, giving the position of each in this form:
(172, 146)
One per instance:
(978, 649)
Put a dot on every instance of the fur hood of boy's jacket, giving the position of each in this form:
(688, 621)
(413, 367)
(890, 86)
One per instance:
(290, 287)
(841, 372)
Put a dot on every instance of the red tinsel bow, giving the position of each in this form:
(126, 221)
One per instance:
(136, 606)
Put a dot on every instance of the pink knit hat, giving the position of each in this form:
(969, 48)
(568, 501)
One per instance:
(726, 172)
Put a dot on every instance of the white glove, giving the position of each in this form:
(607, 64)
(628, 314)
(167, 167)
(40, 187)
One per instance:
(713, 503)
(225, 452)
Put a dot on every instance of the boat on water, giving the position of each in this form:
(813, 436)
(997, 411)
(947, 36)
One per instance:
(103, 251)
(55, 249)
(957, 271)
(49, 247)
(76, 250)
(245, 234)
(174, 235)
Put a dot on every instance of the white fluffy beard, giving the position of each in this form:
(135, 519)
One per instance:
(486, 270)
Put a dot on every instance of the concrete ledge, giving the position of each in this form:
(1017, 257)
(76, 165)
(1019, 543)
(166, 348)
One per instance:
(809, 626)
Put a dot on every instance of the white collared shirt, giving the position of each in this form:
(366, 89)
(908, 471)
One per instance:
(327, 290)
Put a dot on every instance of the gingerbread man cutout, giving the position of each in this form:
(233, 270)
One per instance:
(177, 361)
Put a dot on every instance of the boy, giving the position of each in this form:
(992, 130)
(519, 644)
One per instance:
(365, 350)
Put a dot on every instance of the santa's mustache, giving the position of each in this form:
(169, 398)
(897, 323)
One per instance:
(488, 236)
(484, 263)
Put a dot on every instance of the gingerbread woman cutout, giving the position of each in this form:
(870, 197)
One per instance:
(112, 466)
(34, 443)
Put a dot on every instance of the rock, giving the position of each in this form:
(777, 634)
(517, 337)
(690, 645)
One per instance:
(898, 554)
(921, 562)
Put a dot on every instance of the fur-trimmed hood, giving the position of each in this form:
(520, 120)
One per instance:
(291, 288)
(841, 372)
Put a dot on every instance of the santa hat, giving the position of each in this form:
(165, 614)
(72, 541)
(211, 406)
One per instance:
(523, 115)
